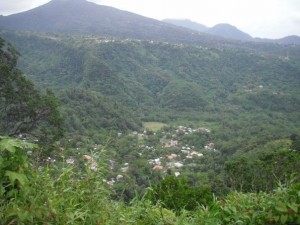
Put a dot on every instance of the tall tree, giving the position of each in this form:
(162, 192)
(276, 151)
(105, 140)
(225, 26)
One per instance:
(23, 109)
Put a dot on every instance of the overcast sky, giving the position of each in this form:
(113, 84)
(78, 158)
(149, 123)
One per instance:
(259, 18)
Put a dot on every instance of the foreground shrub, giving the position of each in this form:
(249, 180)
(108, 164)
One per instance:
(176, 194)
(280, 207)
(66, 195)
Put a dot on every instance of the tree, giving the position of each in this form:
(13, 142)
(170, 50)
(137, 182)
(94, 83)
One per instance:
(23, 109)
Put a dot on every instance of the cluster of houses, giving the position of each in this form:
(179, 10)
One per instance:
(174, 160)
(171, 153)
(180, 153)
(189, 130)
(103, 40)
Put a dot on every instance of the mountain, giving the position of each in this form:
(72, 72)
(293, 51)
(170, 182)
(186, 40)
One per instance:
(83, 17)
(229, 31)
(187, 24)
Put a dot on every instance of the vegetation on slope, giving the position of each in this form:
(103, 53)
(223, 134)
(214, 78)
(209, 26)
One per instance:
(241, 131)
(23, 109)
(88, 112)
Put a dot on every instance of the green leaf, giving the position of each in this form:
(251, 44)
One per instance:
(12, 145)
(13, 176)
(283, 219)
(9, 144)
(281, 208)
(293, 206)
(28, 145)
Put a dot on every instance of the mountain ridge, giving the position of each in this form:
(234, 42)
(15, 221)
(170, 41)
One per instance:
(83, 17)
(229, 31)
(88, 18)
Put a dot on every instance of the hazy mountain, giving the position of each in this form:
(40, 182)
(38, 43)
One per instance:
(289, 40)
(229, 31)
(187, 24)
(82, 17)
(293, 39)
(222, 30)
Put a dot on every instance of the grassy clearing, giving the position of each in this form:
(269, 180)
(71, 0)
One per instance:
(154, 126)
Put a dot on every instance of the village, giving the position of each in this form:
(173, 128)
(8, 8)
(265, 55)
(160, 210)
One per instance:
(171, 154)
(174, 150)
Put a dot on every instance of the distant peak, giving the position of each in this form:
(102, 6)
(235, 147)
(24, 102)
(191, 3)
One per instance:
(227, 25)
(177, 19)
(68, 0)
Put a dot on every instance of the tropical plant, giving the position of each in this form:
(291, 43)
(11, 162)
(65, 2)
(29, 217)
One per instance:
(14, 167)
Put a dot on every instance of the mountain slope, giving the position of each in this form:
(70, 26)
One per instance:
(82, 17)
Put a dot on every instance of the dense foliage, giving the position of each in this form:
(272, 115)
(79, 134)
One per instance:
(250, 93)
(89, 112)
(227, 152)
(23, 109)
(255, 175)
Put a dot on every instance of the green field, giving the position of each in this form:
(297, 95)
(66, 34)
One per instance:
(153, 126)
